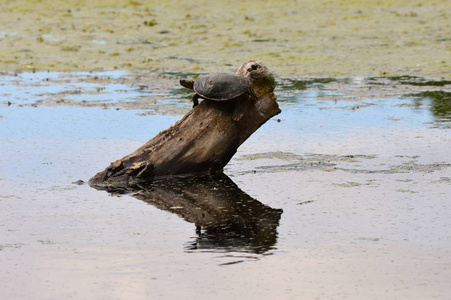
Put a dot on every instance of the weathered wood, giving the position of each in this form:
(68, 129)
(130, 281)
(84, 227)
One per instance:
(202, 141)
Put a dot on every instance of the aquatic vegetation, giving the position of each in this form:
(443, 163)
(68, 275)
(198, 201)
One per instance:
(313, 38)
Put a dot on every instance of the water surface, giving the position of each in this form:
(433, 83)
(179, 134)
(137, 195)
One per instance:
(352, 180)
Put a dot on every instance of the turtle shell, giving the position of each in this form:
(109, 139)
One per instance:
(221, 86)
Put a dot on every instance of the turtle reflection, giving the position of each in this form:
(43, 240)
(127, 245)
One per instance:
(225, 217)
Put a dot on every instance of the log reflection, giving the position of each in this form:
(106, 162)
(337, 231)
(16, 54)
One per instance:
(225, 217)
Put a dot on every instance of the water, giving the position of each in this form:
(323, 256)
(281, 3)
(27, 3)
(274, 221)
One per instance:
(352, 178)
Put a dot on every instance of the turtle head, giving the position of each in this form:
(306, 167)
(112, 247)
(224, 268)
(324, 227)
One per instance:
(189, 84)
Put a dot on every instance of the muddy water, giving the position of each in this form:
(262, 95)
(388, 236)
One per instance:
(353, 178)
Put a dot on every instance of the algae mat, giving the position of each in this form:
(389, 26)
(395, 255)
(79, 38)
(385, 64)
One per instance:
(294, 38)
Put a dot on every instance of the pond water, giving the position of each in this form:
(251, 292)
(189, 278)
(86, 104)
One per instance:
(353, 178)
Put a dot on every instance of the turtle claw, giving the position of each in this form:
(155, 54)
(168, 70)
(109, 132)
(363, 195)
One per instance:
(238, 112)
(237, 116)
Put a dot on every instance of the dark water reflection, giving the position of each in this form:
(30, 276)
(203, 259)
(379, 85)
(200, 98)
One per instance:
(225, 217)
(439, 102)
(436, 97)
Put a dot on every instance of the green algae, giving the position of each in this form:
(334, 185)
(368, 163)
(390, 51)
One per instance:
(312, 38)
(418, 81)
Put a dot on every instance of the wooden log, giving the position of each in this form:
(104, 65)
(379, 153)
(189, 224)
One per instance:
(202, 141)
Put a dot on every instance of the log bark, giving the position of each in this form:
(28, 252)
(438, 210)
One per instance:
(202, 141)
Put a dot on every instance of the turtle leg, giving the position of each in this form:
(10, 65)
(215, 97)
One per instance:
(189, 84)
(195, 100)
(238, 111)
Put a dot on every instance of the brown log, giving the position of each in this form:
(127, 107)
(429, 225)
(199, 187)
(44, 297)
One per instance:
(202, 141)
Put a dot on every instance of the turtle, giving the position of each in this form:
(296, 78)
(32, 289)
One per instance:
(222, 87)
